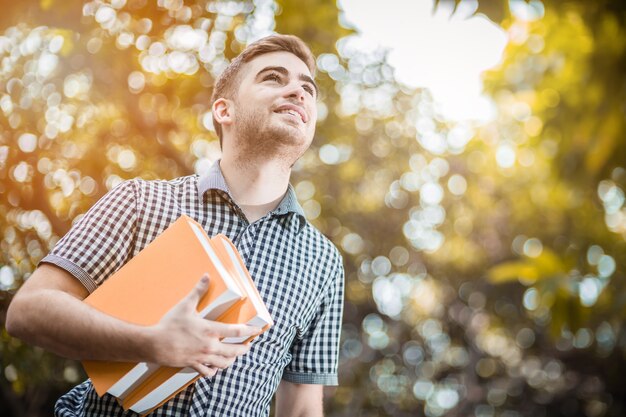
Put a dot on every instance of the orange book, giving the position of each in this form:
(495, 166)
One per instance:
(250, 310)
(149, 285)
(167, 382)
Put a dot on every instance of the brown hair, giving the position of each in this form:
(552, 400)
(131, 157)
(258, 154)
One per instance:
(225, 85)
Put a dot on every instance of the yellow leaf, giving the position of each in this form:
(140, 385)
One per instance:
(548, 264)
(605, 143)
(511, 271)
(68, 41)
(46, 4)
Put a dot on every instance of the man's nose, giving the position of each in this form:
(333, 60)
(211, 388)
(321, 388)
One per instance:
(295, 90)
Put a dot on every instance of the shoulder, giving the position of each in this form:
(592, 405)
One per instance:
(320, 243)
(180, 183)
(146, 191)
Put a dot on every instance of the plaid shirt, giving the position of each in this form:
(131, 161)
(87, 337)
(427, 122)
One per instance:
(298, 272)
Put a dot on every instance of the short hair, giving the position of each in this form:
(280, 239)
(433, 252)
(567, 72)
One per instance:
(225, 85)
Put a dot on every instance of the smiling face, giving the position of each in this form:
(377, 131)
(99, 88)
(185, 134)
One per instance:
(274, 111)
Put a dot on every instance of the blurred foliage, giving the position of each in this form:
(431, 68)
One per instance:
(484, 263)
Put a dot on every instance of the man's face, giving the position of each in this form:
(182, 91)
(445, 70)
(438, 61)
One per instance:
(275, 107)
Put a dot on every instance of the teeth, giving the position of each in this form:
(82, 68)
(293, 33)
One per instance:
(291, 112)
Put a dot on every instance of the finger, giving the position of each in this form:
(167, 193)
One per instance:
(229, 349)
(204, 370)
(232, 330)
(218, 361)
(198, 291)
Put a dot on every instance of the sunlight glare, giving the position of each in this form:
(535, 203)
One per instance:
(443, 53)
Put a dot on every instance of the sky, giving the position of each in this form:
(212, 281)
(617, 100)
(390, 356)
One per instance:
(443, 52)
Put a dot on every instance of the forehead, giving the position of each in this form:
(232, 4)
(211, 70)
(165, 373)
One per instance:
(292, 63)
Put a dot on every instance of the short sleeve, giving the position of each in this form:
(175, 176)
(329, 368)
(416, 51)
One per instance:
(315, 356)
(102, 241)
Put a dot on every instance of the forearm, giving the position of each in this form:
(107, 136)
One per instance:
(49, 311)
(63, 324)
(299, 413)
(299, 400)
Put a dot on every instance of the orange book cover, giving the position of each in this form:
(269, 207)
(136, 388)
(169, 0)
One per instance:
(162, 385)
(252, 309)
(166, 382)
(150, 284)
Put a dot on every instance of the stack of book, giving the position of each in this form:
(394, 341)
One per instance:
(154, 281)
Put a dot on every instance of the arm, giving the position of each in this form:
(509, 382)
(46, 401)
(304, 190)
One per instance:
(48, 311)
(314, 357)
(299, 400)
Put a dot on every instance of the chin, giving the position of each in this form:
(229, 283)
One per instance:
(289, 135)
(289, 145)
(282, 140)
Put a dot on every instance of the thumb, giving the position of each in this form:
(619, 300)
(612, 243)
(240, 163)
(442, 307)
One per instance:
(198, 291)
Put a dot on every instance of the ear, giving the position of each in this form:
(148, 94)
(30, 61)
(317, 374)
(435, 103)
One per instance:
(223, 111)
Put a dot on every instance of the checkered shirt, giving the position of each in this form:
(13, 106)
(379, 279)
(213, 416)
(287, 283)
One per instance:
(298, 272)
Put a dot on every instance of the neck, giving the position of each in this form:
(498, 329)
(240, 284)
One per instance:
(256, 186)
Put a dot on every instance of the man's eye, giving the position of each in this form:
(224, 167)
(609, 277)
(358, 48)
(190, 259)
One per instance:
(308, 89)
(271, 77)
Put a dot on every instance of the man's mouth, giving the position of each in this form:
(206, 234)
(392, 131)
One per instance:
(292, 110)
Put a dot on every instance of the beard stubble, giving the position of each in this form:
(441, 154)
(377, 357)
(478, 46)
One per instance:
(256, 138)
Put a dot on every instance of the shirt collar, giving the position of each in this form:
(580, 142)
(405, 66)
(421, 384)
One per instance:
(213, 179)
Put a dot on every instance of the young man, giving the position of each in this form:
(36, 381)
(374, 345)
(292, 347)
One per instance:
(264, 109)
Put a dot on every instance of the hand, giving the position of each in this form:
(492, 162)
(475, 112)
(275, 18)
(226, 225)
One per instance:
(183, 338)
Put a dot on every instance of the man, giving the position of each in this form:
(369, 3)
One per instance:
(264, 109)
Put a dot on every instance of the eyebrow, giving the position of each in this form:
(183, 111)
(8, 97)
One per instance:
(284, 71)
